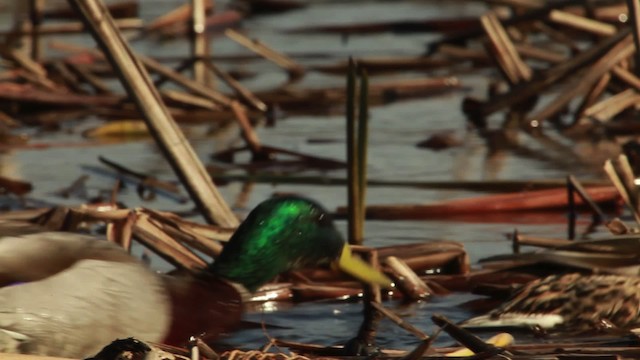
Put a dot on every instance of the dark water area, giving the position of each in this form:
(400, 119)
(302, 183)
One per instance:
(394, 130)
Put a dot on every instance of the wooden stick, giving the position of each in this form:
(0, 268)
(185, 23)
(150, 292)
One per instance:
(615, 178)
(148, 180)
(32, 67)
(624, 170)
(593, 94)
(571, 207)
(248, 133)
(244, 93)
(71, 28)
(406, 280)
(534, 14)
(189, 99)
(399, 321)
(530, 51)
(497, 48)
(185, 82)
(168, 135)
(620, 51)
(98, 85)
(633, 7)
(199, 41)
(294, 69)
(149, 233)
(577, 186)
(69, 79)
(519, 240)
(626, 76)
(582, 23)
(181, 13)
(606, 109)
(518, 69)
(466, 338)
(551, 76)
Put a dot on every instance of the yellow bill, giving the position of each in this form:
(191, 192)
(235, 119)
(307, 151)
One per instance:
(501, 340)
(359, 269)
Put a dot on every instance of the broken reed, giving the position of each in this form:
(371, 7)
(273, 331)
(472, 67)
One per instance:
(168, 136)
(357, 150)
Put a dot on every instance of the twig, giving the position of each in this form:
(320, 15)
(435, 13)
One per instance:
(146, 179)
(168, 135)
(620, 51)
(149, 233)
(553, 75)
(577, 186)
(399, 321)
(199, 41)
(185, 82)
(594, 93)
(507, 57)
(466, 338)
(634, 13)
(617, 181)
(98, 85)
(294, 69)
(571, 205)
(406, 280)
(248, 133)
(244, 93)
(582, 23)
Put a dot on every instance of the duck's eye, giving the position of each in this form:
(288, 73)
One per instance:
(324, 220)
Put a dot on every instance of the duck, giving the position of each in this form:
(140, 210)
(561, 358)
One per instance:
(569, 302)
(68, 294)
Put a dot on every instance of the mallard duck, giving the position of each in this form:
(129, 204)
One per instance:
(573, 302)
(69, 295)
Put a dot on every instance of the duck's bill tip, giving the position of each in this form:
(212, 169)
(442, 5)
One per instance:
(362, 271)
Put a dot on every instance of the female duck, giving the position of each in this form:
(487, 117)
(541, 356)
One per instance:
(573, 302)
(68, 295)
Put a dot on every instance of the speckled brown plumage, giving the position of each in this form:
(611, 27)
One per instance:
(583, 302)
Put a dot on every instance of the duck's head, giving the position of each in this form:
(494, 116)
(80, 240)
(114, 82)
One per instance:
(288, 233)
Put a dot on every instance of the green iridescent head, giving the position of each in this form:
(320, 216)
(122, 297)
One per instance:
(280, 234)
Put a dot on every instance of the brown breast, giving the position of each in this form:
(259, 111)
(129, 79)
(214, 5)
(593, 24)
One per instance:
(204, 307)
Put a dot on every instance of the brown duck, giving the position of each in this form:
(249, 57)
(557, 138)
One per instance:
(573, 302)
(69, 295)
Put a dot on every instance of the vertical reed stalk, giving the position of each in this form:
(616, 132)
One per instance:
(572, 210)
(362, 142)
(36, 8)
(634, 15)
(357, 151)
(352, 170)
(199, 42)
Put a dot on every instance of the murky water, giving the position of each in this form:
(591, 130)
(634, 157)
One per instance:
(395, 129)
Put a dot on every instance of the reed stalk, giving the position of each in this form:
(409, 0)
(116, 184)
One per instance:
(362, 141)
(354, 236)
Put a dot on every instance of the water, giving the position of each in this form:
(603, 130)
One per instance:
(394, 130)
